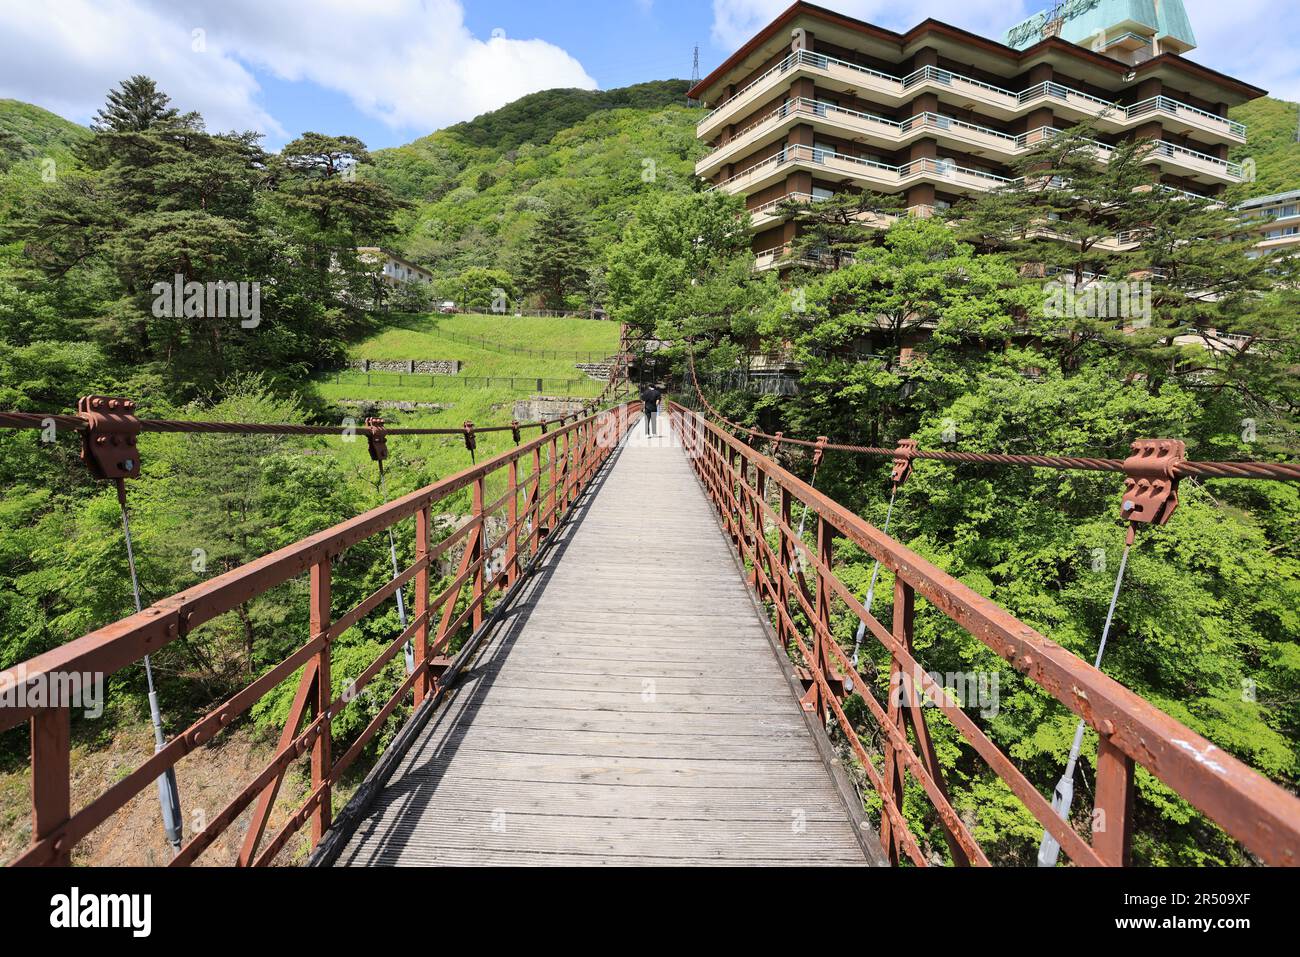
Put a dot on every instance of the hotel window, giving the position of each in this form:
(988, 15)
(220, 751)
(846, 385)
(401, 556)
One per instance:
(822, 151)
(821, 192)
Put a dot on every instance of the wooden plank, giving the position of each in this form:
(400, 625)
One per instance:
(630, 710)
(592, 799)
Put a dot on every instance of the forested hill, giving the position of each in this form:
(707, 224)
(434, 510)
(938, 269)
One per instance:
(537, 117)
(27, 131)
(1271, 127)
(477, 189)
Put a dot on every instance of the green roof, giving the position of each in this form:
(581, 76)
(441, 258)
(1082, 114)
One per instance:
(1082, 19)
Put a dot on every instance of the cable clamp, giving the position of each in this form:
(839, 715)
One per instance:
(819, 451)
(471, 443)
(514, 430)
(903, 461)
(377, 439)
(1151, 486)
(108, 445)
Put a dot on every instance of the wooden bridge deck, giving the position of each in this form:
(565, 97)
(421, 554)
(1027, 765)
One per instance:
(630, 709)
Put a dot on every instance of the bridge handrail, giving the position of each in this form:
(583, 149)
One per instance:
(1258, 813)
(574, 453)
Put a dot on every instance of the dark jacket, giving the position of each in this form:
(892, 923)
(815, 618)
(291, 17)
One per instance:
(650, 397)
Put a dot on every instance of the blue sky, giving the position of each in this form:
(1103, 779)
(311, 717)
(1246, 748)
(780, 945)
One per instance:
(392, 70)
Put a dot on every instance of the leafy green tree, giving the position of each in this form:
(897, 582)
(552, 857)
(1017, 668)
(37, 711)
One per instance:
(671, 268)
(1152, 274)
(476, 289)
(135, 106)
(558, 257)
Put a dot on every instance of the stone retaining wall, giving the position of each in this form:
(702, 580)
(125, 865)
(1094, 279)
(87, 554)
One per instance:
(400, 406)
(409, 366)
(545, 407)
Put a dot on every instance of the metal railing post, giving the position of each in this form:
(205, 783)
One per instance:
(553, 465)
(477, 555)
(904, 613)
(51, 736)
(320, 749)
(1112, 816)
(535, 499)
(512, 518)
(423, 522)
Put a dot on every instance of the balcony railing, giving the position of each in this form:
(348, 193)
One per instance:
(945, 169)
(1165, 104)
(1174, 151)
(1011, 99)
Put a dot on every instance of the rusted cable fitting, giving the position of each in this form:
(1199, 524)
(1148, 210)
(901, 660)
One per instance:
(109, 443)
(1151, 482)
(903, 456)
(776, 443)
(471, 442)
(377, 439)
(514, 430)
(819, 451)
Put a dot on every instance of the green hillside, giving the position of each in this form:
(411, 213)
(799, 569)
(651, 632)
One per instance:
(476, 192)
(551, 343)
(1271, 142)
(539, 116)
(27, 131)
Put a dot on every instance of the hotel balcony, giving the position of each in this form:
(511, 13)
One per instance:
(862, 173)
(863, 128)
(1070, 104)
(771, 213)
(882, 177)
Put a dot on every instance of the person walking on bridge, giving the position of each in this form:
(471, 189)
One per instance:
(650, 406)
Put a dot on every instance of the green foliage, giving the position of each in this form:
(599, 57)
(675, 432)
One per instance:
(683, 266)
(27, 131)
(1271, 127)
(557, 258)
(477, 288)
(939, 331)
(537, 117)
(599, 168)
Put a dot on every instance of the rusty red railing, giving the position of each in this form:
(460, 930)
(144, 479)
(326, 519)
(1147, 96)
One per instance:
(1262, 816)
(534, 505)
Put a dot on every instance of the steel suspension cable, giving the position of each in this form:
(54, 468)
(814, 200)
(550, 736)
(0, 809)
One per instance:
(408, 649)
(169, 798)
(871, 588)
(1049, 849)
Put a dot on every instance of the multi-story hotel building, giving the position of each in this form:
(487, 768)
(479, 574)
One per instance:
(1275, 219)
(819, 103)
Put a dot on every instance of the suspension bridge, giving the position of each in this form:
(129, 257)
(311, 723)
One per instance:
(633, 662)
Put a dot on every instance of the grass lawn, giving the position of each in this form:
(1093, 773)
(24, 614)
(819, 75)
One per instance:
(444, 337)
(423, 337)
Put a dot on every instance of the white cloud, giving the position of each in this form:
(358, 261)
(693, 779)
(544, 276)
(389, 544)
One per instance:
(67, 54)
(412, 64)
(1252, 40)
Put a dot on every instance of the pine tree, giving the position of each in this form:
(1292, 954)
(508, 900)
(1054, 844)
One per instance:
(558, 256)
(1183, 269)
(136, 105)
(830, 230)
